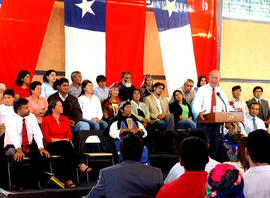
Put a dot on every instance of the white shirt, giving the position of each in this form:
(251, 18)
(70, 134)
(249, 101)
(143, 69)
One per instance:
(240, 104)
(158, 103)
(202, 100)
(91, 108)
(114, 131)
(5, 111)
(13, 134)
(178, 170)
(47, 90)
(257, 182)
(248, 123)
(62, 98)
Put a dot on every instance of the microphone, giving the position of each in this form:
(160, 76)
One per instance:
(219, 95)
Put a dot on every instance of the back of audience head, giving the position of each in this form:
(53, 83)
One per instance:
(21, 107)
(9, 97)
(199, 133)
(76, 77)
(84, 84)
(258, 147)
(240, 153)
(131, 147)
(35, 87)
(58, 83)
(49, 76)
(202, 81)
(193, 154)
(23, 77)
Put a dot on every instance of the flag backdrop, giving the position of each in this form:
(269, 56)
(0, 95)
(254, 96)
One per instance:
(22, 29)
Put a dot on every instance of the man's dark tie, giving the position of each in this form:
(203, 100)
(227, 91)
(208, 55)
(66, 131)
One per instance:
(254, 124)
(25, 143)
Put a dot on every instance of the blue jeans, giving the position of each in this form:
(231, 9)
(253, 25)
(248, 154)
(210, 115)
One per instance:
(185, 124)
(81, 125)
(166, 124)
(96, 126)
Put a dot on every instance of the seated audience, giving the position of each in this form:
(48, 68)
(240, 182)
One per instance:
(159, 111)
(225, 181)
(194, 157)
(241, 162)
(257, 177)
(201, 81)
(47, 87)
(129, 178)
(236, 102)
(178, 170)
(91, 107)
(147, 88)
(23, 138)
(22, 83)
(126, 87)
(182, 112)
(187, 91)
(110, 105)
(2, 89)
(264, 112)
(252, 122)
(38, 105)
(139, 109)
(75, 87)
(102, 92)
(57, 136)
(70, 104)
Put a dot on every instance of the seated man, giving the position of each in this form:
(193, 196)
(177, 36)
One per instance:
(159, 111)
(70, 104)
(126, 87)
(23, 138)
(252, 122)
(257, 177)
(264, 112)
(194, 157)
(125, 123)
(178, 170)
(129, 178)
(75, 88)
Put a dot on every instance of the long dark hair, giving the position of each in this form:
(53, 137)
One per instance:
(200, 79)
(52, 105)
(21, 75)
(240, 155)
(84, 83)
(45, 79)
(183, 99)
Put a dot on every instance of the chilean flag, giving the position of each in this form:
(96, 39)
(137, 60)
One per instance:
(105, 37)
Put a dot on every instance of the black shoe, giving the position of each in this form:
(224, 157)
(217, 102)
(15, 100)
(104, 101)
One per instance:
(19, 188)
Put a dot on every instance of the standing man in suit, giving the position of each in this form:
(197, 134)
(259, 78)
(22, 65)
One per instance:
(129, 178)
(159, 111)
(264, 111)
(208, 99)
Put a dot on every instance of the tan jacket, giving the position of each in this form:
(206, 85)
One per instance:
(152, 105)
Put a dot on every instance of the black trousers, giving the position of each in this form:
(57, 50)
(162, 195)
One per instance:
(36, 162)
(67, 163)
(216, 139)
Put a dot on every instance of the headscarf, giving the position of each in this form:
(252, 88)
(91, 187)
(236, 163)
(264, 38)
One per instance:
(114, 85)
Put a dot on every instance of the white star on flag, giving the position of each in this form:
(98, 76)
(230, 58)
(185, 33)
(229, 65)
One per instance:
(170, 7)
(86, 7)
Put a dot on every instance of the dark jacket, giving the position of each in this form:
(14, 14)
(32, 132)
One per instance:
(176, 110)
(71, 107)
(125, 92)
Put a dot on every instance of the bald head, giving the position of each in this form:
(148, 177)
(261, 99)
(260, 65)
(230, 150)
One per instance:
(214, 78)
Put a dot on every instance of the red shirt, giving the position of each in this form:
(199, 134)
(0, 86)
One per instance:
(192, 184)
(51, 129)
(23, 93)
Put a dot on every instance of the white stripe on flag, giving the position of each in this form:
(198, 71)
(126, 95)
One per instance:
(85, 52)
(178, 57)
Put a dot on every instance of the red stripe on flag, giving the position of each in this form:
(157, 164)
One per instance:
(204, 34)
(22, 28)
(125, 30)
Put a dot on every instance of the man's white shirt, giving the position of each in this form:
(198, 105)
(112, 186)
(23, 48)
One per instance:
(248, 123)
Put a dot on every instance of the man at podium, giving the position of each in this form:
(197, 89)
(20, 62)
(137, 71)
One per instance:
(210, 98)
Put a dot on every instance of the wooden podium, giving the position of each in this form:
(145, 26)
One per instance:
(221, 117)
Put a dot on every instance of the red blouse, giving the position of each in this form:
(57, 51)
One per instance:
(51, 129)
(21, 92)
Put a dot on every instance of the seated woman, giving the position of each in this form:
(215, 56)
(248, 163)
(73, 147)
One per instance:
(182, 112)
(91, 107)
(125, 123)
(2, 89)
(139, 109)
(110, 105)
(37, 105)
(201, 81)
(147, 88)
(56, 137)
(47, 87)
(22, 83)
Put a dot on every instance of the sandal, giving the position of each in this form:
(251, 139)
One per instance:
(70, 184)
(84, 169)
